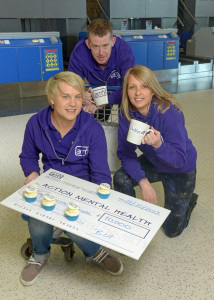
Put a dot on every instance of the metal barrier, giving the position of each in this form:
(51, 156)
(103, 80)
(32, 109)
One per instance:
(110, 127)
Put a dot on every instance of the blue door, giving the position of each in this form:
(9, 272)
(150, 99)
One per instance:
(8, 66)
(29, 64)
(140, 52)
(155, 55)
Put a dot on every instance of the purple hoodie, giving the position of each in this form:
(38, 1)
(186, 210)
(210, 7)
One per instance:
(176, 154)
(86, 159)
(121, 59)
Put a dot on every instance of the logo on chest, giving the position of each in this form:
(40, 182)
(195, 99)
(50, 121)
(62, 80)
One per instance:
(115, 75)
(81, 150)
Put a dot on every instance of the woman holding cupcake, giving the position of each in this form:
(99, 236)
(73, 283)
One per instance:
(168, 154)
(70, 141)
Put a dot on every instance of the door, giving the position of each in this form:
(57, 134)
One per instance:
(29, 64)
(155, 55)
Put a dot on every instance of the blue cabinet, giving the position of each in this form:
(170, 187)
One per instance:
(157, 51)
(29, 59)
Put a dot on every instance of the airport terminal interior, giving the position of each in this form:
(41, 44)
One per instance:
(180, 268)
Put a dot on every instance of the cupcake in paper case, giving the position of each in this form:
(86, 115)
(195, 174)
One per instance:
(49, 202)
(104, 190)
(72, 212)
(31, 193)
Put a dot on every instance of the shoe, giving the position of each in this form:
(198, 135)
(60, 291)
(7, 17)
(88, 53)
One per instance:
(31, 271)
(192, 204)
(108, 262)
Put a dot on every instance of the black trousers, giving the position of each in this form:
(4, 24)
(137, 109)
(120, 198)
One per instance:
(178, 190)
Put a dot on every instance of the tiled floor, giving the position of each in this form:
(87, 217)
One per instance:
(180, 268)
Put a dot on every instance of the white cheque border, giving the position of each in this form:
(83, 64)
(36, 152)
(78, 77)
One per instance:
(121, 223)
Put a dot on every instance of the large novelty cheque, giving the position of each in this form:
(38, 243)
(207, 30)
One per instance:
(121, 222)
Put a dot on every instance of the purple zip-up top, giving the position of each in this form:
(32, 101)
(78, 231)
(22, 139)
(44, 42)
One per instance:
(83, 155)
(176, 154)
(121, 59)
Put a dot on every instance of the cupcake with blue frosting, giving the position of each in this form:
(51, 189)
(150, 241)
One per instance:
(72, 212)
(104, 190)
(31, 193)
(49, 202)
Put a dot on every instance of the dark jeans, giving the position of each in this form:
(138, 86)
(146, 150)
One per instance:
(178, 190)
(42, 234)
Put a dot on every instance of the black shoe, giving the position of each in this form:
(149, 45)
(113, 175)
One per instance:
(192, 204)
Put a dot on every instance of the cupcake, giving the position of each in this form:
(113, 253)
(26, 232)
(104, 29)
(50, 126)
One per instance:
(49, 202)
(72, 212)
(104, 190)
(31, 193)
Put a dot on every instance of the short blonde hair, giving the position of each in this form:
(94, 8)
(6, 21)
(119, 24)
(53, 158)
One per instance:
(163, 99)
(72, 79)
(100, 27)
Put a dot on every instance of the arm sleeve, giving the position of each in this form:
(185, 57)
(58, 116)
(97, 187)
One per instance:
(75, 65)
(126, 61)
(172, 152)
(99, 168)
(126, 153)
(29, 157)
(115, 97)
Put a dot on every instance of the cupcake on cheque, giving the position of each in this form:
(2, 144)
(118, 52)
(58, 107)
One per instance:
(72, 212)
(49, 202)
(104, 190)
(31, 193)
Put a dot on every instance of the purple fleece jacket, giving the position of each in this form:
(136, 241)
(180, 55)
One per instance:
(121, 59)
(86, 159)
(176, 154)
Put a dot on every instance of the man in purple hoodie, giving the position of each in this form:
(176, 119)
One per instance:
(71, 141)
(101, 59)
